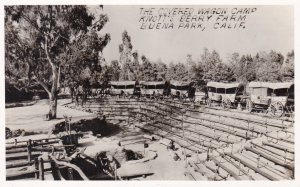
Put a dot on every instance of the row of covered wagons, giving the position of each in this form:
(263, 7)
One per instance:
(149, 87)
(276, 97)
(279, 97)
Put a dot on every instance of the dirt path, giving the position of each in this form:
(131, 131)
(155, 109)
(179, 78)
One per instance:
(29, 118)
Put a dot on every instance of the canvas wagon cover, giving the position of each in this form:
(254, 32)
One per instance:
(223, 85)
(122, 83)
(180, 83)
(272, 85)
(153, 83)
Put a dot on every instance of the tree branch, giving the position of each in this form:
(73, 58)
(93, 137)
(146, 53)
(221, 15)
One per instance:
(43, 85)
(55, 40)
(30, 21)
(47, 53)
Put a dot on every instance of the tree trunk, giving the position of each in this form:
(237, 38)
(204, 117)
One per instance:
(53, 105)
(53, 93)
(55, 81)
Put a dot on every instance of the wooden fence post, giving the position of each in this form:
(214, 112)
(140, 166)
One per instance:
(54, 170)
(207, 157)
(36, 166)
(70, 174)
(41, 169)
(29, 150)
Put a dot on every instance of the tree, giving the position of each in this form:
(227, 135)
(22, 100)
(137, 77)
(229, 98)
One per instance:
(190, 65)
(135, 66)
(181, 73)
(208, 62)
(198, 75)
(146, 69)
(84, 55)
(40, 38)
(125, 49)
(161, 70)
(276, 57)
(115, 70)
(170, 75)
(243, 68)
(268, 66)
(287, 69)
(223, 73)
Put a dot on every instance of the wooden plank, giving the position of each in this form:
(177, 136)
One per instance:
(20, 174)
(211, 127)
(19, 164)
(34, 140)
(228, 170)
(16, 150)
(33, 144)
(286, 140)
(279, 138)
(214, 170)
(134, 142)
(192, 148)
(48, 149)
(254, 168)
(236, 115)
(26, 174)
(272, 159)
(228, 159)
(273, 152)
(226, 124)
(283, 148)
(200, 168)
(23, 155)
(131, 138)
(216, 138)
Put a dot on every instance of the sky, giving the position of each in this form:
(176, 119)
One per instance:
(268, 28)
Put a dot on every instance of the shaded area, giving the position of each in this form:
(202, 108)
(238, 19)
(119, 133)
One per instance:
(97, 126)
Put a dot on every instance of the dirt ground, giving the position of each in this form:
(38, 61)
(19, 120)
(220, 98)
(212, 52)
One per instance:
(30, 118)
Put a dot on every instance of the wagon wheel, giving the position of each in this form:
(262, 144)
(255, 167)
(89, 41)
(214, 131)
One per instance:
(249, 105)
(226, 104)
(277, 109)
(208, 102)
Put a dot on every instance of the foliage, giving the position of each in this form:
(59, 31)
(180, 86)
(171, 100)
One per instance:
(268, 66)
(243, 67)
(212, 68)
(54, 45)
(146, 69)
(125, 49)
(287, 69)
(264, 66)
(46, 43)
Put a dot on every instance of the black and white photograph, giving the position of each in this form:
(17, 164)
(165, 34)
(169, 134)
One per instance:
(193, 92)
